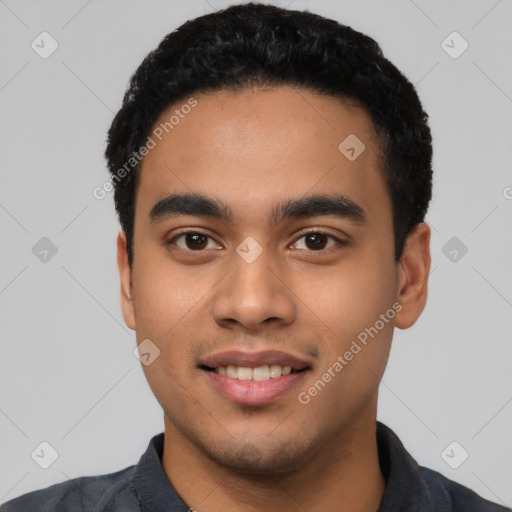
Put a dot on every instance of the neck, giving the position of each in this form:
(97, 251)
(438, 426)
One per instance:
(344, 476)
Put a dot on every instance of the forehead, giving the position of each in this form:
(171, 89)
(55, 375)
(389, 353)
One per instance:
(254, 147)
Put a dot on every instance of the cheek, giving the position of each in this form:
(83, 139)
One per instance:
(168, 302)
(349, 298)
(358, 339)
(165, 296)
(366, 325)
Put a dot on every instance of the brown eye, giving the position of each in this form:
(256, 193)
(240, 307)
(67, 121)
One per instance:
(196, 241)
(317, 241)
(192, 241)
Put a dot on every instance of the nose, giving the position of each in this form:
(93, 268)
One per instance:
(254, 296)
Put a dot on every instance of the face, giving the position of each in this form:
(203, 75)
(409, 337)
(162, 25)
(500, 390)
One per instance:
(260, 278)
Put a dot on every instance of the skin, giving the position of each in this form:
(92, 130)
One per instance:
(252, 149)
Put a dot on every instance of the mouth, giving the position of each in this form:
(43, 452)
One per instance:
(254, 378)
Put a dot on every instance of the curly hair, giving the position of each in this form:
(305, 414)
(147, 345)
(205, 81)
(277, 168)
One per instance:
(263, 45)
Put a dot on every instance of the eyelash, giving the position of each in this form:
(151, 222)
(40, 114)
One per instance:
(304, 234)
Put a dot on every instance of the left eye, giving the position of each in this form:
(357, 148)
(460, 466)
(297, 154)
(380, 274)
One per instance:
(317, 241)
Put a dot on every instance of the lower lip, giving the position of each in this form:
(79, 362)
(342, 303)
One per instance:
(251, 392)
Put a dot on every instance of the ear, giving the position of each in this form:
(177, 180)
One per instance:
(413, 271)
(125, 275)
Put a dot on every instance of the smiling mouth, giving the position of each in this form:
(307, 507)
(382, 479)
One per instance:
(254, 378)
(258, 374)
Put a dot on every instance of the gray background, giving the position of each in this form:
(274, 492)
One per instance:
(67, 372)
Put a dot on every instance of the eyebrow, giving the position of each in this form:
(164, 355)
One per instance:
(309, 206)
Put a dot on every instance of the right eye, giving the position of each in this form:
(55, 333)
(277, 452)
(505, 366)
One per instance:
(191, 241)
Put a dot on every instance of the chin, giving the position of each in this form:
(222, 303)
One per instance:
(262, 457)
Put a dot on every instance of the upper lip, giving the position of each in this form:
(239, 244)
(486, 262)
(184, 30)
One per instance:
(254, 359)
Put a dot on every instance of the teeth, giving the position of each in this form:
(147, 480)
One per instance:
(276, 371)
(244, 373)
(261, 373)
(232, 372)
(258, 374)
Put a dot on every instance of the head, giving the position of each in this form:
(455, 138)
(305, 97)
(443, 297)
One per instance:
(298, 160)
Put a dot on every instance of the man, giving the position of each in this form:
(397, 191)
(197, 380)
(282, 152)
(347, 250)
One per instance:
(272, 172)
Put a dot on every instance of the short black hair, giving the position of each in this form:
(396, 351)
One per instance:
(263, 45)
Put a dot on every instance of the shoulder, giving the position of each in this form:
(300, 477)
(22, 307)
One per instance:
(456, 496)
(415, 487)
(82, 494)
